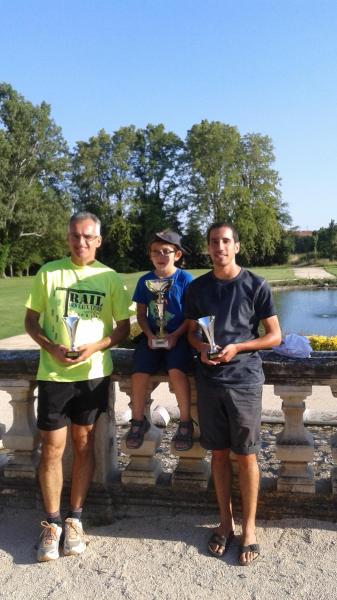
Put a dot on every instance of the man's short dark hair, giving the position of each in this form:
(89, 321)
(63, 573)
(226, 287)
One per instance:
(82, 216)
(223, 224)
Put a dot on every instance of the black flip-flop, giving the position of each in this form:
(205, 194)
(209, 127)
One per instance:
(249, 548)
(222, 541)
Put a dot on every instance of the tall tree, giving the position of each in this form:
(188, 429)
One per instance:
(33, 171)
(213, 151)
(327, 241)
(232, 179)
(103, 182)
(161, 195)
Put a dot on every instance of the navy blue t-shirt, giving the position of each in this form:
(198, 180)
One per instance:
(238, 304)
(174, 307)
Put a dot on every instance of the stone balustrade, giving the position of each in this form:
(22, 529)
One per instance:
(143, 479)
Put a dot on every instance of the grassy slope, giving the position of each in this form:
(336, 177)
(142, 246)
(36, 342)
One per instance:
(13, 294)
(331, 269)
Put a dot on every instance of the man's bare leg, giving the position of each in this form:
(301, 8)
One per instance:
(50, 469)
(222, 477)
(249, 488)
(83, 463)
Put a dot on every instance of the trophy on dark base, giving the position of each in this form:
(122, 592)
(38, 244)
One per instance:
(71, 326)
(207, 326)
(159, 287)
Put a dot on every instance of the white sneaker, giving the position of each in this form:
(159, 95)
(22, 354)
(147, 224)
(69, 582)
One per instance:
(48, 548)
(74, 541)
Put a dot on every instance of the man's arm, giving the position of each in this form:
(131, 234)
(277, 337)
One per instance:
(271, 337)
(36, 332)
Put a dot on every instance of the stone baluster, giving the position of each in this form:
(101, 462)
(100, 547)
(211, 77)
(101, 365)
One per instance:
(144, 468)
(22, 438)
(333, 442)
(294, 444)
(192, 470)
(106, 451)
(3, 451)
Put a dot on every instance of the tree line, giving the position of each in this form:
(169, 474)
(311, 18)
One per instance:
(137, 181)
(318, 244)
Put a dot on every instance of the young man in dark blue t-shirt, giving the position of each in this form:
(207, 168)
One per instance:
(230, 386)
(165, 250)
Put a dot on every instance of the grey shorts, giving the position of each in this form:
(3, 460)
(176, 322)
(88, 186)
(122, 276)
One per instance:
(229, 417)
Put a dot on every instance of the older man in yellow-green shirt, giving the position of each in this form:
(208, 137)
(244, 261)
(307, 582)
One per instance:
(73, 385)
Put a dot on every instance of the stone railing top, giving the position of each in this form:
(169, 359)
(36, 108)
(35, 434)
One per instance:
(319, 369)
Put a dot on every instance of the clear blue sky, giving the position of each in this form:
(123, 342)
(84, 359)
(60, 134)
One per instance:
(268, 66)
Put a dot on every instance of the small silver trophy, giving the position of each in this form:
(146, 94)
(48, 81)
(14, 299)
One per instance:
(71, 326)
(207, 326)
(159, 287)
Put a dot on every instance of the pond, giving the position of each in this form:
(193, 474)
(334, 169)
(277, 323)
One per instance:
(307, 311)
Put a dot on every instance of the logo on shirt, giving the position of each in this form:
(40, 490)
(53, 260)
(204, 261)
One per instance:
(87, 304)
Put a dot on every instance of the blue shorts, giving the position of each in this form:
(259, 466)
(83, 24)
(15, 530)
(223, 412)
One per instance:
(150, 361)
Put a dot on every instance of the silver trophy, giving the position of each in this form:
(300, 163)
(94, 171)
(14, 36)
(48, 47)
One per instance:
(159, 287)
(71, 324)
(207, 326)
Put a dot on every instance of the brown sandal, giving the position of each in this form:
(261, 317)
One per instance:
(183, 438)
(135, 435)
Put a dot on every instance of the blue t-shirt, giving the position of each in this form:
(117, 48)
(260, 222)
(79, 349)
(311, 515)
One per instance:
(174, 305)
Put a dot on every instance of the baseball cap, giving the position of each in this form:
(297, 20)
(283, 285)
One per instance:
(171, 237)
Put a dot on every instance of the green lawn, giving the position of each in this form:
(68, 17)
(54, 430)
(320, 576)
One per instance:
(279, 273)
(13, 294)
(331, 269)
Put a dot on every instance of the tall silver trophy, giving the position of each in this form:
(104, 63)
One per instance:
(71, 324)
(159, 287)
(207, 326)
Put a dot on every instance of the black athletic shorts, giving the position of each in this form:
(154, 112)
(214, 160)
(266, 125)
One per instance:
(229, 417)
(80, 401)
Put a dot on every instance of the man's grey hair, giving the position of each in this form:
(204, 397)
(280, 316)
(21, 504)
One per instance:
(82, 216)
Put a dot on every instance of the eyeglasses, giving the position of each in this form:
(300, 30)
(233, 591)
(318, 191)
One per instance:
(76, 237)
(162, 252)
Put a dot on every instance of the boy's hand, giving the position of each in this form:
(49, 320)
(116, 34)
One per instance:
(172, 340)
(150, 337)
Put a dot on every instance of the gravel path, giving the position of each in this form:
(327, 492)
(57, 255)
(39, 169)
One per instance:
(312, 273)
(165, 557)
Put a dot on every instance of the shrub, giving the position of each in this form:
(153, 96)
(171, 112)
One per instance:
(321, 342)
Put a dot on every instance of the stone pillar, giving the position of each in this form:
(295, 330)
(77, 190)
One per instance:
(333, 442)
(22, 438)
(144, 468)
(294, 445)
(192, 471)
(3, 451)
(106, 442)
